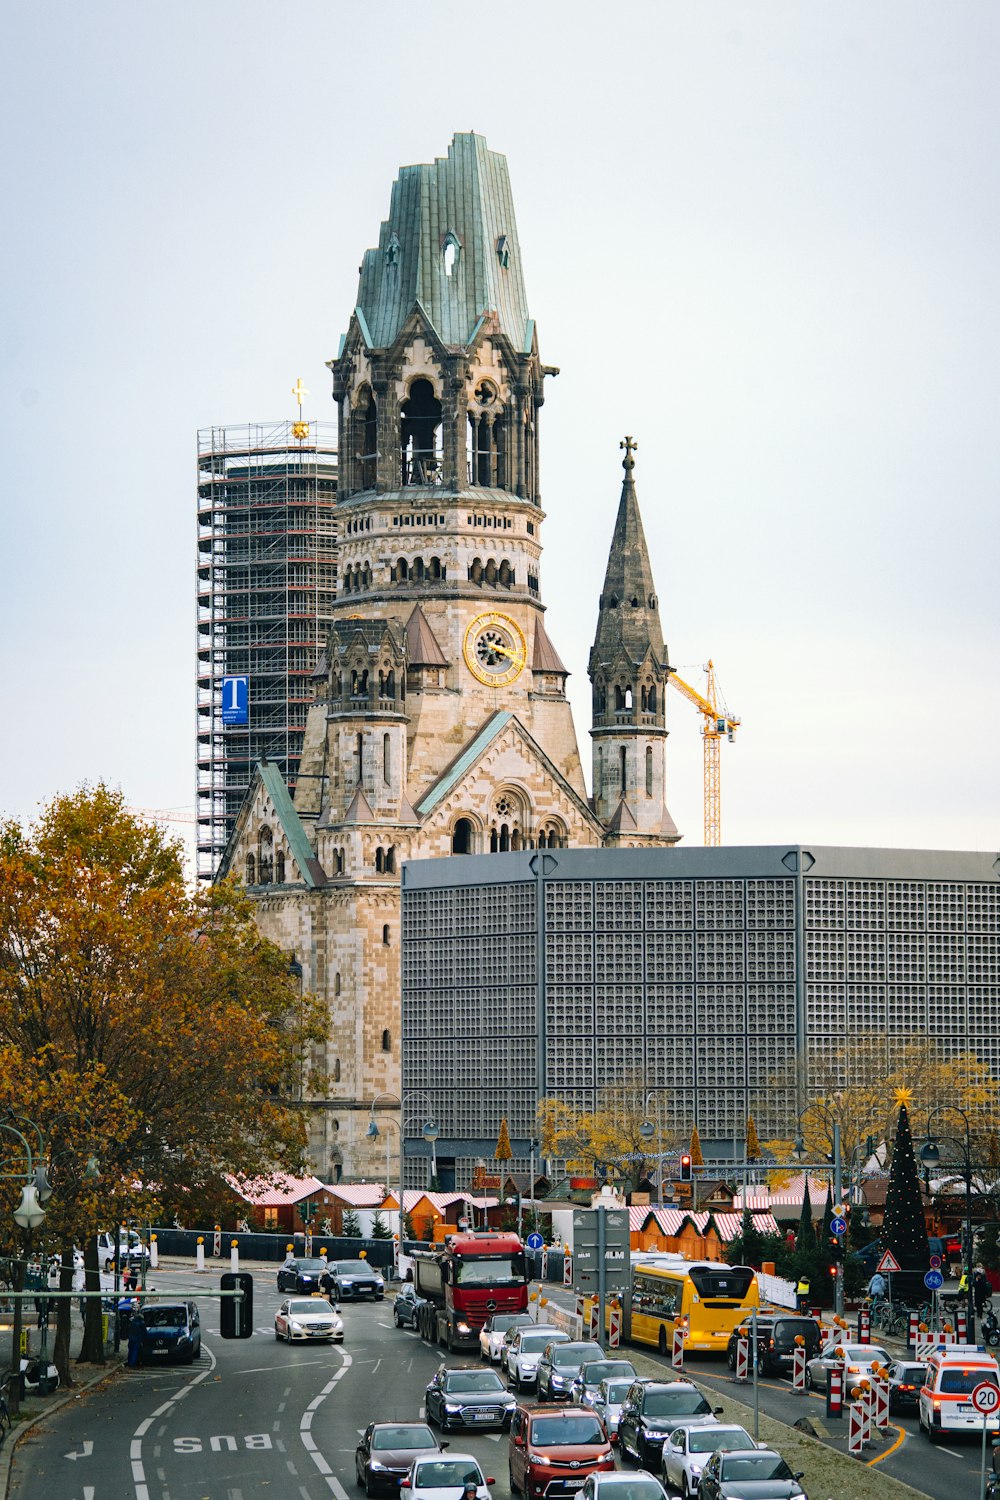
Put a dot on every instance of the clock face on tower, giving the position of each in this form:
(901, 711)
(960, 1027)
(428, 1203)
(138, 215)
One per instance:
(495, 649)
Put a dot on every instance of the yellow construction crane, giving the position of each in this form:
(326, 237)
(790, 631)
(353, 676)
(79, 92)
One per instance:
(166, 814)
(717, 722)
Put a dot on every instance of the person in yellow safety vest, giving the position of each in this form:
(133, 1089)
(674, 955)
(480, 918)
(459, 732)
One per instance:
(963, 1285)
(802, 1293)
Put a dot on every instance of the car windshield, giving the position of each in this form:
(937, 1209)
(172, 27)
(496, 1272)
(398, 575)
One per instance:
(309, 1267)
(446, 1474)
(710, 1439)
(164, 1317)
(498, 1270)
(958, 1382)
(675, 1404)
(754, 1466)
(403, 1437)
(594, 1371)
(865, 1354)
(534, 1343)
(566, 1431)
(352, 1268)
(630, 1487)
(473, 1380)
(304, 1307)
(616, 1390)
(502, 1321)
(571, 1354)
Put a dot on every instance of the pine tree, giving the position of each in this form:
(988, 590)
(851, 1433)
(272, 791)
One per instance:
(904, 1229)
(351, 1224)
(697, 1160)
(752, 1140)
(747, 1249)
(380, 1229)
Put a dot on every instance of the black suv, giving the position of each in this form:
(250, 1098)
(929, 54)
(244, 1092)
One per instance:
(559, 1365)
(776, 1335)
(651, 1411)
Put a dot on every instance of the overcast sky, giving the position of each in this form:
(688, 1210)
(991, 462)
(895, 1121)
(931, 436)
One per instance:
(761, 237)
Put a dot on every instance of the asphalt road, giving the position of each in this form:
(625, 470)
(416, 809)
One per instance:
(258, 1418)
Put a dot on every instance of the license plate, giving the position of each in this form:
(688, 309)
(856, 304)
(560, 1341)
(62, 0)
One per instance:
(481, 1416)
(965, 1406)
(575, 1484)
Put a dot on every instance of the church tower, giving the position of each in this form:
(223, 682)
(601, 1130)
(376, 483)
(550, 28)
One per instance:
(628, 672)
(440, 723)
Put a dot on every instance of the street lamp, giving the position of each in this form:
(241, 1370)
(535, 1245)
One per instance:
(931, 1156)
(800, 1151)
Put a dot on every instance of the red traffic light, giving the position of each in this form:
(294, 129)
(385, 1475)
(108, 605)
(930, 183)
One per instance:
(685, 1168)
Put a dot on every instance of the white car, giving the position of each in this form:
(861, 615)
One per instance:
(309, 1318)
(131, 1250)
(688, 1449)
(608, 1402)
(443, 1476)
(491, 1335)
(527, 1348)
(853, 1360)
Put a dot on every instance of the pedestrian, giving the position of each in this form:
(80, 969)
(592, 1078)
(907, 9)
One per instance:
(80, 1285)
(136, 1336)
(327, 1284)
(876, 1287)
(981, 1290)
(802, 1294)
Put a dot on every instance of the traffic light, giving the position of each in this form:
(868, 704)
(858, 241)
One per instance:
(836, 1250)
(235, 1313)
(685, 1168)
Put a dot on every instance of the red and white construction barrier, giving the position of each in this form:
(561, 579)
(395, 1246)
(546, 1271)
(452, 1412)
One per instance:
(855, 1430)
(595, 1317)
(579, 1310)
(961, 1325)
(567, 1270)
(914, 1331)
(880, 1402)
(742, 1359)
(799, 1367)
(677, 1349)
(544, 1268)
(615, 1326)
(864, 1326)
(835, 1393)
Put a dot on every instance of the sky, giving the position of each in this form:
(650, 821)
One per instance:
(761, 237)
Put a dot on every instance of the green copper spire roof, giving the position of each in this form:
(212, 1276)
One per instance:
(450, 244)
(629, 615)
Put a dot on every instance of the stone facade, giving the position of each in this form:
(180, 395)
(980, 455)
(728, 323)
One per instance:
(441, 724)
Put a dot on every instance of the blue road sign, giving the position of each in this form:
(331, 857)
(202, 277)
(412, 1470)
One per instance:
(935, 1262)
(534, 1242)
(933, 1281)
(838, 1226)
(235, 700)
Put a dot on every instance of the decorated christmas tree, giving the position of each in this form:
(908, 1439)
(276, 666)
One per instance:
(904, 1230)
(697, 1160)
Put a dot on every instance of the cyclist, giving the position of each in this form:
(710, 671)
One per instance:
(877, 1287)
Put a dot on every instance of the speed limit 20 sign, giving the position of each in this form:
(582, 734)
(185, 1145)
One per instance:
(986, 1398)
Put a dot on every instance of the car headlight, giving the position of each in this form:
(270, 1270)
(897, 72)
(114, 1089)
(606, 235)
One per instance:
(375, 1466)
(452, 1408)
(463, 1327)
(294, 1326)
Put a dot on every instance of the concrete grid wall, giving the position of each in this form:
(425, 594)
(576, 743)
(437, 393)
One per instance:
(702, 973)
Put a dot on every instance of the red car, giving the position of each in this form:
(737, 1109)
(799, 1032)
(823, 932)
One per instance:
(552, 1452)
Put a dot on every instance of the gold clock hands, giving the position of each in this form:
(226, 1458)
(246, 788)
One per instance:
(513, 655)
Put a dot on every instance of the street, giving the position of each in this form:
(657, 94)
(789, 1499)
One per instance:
(263, 1418)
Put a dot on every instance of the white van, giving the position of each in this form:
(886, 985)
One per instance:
(953, 1372)
(131, 1250)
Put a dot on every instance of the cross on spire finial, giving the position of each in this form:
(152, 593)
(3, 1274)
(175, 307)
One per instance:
(630, 445)
(300, 429)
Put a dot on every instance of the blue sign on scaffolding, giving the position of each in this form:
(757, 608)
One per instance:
(235, 700)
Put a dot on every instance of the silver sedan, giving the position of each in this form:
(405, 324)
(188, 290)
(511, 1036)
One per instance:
(310, 1318)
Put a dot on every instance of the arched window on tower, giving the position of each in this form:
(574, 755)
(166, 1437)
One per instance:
(265, 856)
(279, 866)
(649, 770)
(622, 762)
(386, 758)
(421, 435)
(651, 698)
(251, 870)
(367, 432)
(461, 838)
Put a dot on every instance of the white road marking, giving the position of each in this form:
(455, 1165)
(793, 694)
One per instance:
(305, 1430)
(376, 1365)
(950, 1452)
(135, 1449)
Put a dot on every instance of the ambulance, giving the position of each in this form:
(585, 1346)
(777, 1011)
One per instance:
(953, 1372)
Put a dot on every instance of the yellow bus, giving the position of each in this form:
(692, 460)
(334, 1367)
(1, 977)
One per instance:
(704, 1297)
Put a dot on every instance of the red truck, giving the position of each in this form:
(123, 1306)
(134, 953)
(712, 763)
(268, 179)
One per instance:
(463, 1281)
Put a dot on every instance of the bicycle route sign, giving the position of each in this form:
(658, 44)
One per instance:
(933, 1280)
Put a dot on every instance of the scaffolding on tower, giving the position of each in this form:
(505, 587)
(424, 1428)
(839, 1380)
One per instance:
(717, 723)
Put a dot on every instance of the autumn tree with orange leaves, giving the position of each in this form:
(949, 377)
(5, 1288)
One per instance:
(149, 1030)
